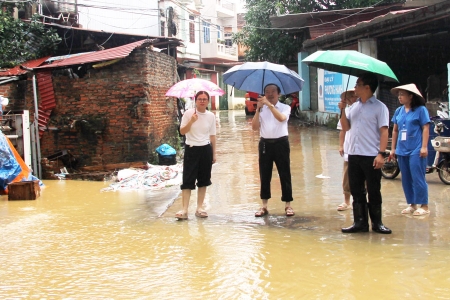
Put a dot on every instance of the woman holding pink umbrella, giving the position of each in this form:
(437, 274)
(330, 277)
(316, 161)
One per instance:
(199, 126)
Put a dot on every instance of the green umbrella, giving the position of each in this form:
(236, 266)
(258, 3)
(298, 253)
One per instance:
(350, 62)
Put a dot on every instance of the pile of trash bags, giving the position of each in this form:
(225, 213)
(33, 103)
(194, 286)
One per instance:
(154, 178)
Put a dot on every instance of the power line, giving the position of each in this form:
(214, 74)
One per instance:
(324, 23)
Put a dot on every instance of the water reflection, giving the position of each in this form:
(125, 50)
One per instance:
(75, 242)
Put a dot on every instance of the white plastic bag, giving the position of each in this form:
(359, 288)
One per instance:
(4, 101)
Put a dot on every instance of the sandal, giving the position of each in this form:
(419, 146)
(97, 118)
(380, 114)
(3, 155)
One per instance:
(421, 212)
(408, 210)
(262, 212)
(344, 206)
(289, 211)
(201, 214)
(181, 215)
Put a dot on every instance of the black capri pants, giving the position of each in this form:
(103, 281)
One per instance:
(278, 151)
(197, 166)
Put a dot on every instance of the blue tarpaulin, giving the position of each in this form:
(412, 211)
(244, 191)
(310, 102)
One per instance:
(9, 167)
(165, 150)
(12, 166)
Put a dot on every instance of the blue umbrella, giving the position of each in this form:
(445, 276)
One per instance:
(254, 76)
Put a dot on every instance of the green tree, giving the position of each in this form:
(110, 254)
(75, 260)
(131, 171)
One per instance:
(21, 41)
(275, 45)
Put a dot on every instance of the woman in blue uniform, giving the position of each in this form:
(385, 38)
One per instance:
(409, 145)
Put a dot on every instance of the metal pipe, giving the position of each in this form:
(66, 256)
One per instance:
(8, 80)
(36, 128)
(418, 36)
(33, 147)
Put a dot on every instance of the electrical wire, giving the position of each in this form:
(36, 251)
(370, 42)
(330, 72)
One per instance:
(137, 10)
(324, 23)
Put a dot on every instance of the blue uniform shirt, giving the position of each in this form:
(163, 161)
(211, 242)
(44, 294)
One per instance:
(366, 119)
(413, 122)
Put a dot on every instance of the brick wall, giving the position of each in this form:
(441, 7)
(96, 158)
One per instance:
(114, 114)
(19, 93)
(5, 90)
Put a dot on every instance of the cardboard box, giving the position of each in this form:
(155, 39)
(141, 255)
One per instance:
(24, 190)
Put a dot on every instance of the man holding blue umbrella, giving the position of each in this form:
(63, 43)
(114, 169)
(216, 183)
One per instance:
(271, 119)
(368, 122)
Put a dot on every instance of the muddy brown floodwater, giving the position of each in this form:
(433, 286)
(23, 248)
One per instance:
(75, 242)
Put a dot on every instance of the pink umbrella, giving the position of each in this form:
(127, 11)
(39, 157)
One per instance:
(189, 87)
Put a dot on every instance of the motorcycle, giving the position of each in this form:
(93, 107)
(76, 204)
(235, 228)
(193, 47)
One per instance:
(293, 101)
(443, 112)
(441, 160)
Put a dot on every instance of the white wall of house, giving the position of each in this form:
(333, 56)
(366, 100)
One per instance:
(235, 98)
(185, 16)
(130, 16)
(216, 16)
(241, 6)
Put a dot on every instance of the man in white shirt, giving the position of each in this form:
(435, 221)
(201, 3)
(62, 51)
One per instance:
(271, 119)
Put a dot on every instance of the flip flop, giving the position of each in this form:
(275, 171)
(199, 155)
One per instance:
(181, 216)
(289, 211)
(408, 210)
(421, 212)
(262, 212)
(201, 214)
(344, 206)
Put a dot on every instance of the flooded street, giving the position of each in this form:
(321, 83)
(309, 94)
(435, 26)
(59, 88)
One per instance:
(75, 242)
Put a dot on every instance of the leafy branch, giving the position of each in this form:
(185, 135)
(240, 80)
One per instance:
(21, 41)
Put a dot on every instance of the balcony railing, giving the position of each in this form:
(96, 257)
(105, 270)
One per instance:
(229, 6)
(219, 51)
(228, 50)
(225, 11)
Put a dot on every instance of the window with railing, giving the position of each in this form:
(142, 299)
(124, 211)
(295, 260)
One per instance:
(206, 32)
(206, 76)
(163, 28)
(191, 29)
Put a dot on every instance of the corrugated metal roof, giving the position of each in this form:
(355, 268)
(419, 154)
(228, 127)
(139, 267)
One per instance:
(294, 21)
(102, 55)
(46, 92)
(377, 19)
(47, 100)
(323, 26)
(16, 71)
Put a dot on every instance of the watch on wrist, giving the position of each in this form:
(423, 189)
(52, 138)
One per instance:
(382, 152)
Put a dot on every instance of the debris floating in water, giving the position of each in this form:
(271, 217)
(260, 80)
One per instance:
(322, 176)
(154, 178)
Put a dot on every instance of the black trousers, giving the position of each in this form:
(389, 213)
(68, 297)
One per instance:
(278, 151)
(197, 166)
(360, 172)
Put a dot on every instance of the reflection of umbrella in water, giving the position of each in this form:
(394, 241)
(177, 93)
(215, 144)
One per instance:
(254, 76)
(350, 62)
(189, 87)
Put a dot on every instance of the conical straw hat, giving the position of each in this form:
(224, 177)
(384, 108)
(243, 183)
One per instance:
(407, 87)
(350, 93)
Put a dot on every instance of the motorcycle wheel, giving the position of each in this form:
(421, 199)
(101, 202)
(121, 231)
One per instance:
(390, 169)
(297, 112)
(246, 111)
(444, 171)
